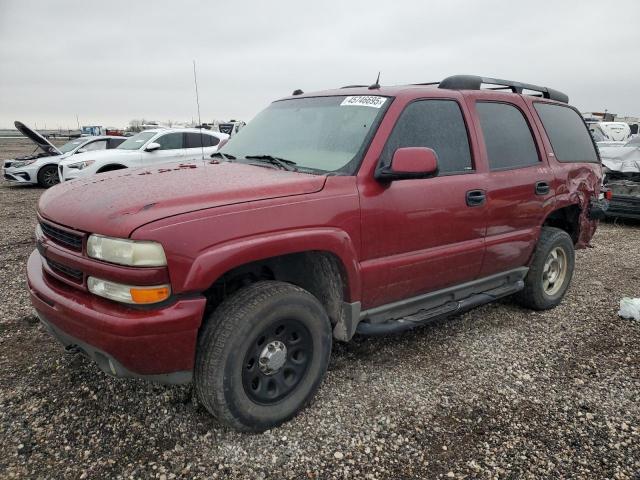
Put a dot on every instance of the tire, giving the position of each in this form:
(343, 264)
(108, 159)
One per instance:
(238, 379)
(540, 293)
(48, 176)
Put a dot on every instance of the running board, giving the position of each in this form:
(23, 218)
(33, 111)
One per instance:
(439, 304)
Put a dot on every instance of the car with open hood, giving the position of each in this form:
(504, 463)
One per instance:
(364, 209)
(146, 149)
(41, 166)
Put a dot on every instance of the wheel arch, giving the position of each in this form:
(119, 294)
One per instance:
(567, 218)
(320, 261)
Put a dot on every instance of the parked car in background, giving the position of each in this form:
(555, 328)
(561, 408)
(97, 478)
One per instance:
(616, 131)
(41, 167)
(368, 210)
(621, 168)
(146, 149)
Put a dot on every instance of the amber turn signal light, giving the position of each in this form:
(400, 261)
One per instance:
(149, 295)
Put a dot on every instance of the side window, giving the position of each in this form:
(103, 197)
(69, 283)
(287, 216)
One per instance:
(114, 142)
(170, 141)
(193, 140)
(211, 141)
(196, 140)
(436, 124)
(97, 145)
(567, 133)
(507, 136)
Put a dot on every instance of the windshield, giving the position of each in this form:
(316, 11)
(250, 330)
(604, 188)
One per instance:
(137, 141)
(67, 147)
(324, 134)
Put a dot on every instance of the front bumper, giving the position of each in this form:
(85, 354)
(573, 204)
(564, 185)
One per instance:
(24, 175)
(156, 344)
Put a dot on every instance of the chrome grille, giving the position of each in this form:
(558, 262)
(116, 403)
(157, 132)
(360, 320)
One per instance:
(62, 237)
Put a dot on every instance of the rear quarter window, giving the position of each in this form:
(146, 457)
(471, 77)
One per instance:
(567, 133)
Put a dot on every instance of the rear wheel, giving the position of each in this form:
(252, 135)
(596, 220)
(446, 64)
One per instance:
(550, 272)
(262, 355)
(48, 176)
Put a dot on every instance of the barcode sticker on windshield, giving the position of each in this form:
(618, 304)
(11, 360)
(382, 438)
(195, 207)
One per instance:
(364, 101)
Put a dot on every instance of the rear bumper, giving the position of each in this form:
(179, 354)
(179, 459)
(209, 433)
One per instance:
(158, 344)
(626, 206)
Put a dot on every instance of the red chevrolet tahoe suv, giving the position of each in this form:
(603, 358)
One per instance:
(365, 210)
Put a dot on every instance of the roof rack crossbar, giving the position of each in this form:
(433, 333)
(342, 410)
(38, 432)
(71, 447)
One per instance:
(474, 82)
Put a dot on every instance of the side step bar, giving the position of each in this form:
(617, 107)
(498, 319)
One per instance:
(430, 313)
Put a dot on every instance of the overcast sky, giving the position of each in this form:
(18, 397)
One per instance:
(113, 61)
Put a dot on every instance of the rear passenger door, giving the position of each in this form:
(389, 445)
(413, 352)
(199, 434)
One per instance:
(199, 145)
(171, 149)
(423, 235)
(520, 183)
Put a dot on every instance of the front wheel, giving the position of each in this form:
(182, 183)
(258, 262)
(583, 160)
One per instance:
(550, 272)
(48, 176)
(262, 355)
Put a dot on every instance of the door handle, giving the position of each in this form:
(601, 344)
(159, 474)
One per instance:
(475, 198)
(542, 188)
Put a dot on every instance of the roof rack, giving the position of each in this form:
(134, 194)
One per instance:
(474, 82)
(354, 86)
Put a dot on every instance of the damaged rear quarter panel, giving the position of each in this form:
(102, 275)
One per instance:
(578, 183)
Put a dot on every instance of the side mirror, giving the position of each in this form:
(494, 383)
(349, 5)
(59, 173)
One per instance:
(409, 163)
(152, 146)
(81, 150)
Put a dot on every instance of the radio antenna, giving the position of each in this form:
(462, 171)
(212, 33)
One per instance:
(376, 85)
(195, 81)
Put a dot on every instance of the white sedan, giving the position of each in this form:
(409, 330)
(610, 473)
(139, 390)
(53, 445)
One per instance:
(41, 167)
(146, 149)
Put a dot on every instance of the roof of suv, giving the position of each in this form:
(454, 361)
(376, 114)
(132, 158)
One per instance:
(456, 82)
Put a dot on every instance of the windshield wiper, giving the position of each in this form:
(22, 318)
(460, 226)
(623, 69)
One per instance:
(284, 164)
(225, 156)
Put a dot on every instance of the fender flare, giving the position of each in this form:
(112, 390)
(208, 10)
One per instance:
(213, 262)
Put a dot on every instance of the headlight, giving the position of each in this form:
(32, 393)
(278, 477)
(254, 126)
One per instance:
(126, 252)
(127, 293)
(81, 165)
(22, 163)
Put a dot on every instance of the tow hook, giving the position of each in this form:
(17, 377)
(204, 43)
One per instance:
(72, 349)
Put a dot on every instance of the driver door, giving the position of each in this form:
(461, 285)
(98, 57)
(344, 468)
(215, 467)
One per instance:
(171, 150)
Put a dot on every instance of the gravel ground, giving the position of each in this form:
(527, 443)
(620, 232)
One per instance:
(500, 392)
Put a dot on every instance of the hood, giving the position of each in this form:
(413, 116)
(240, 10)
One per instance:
(621, 159)
(38, 139)
(116, 203)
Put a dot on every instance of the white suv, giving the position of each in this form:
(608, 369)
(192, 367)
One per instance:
(146, 149)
